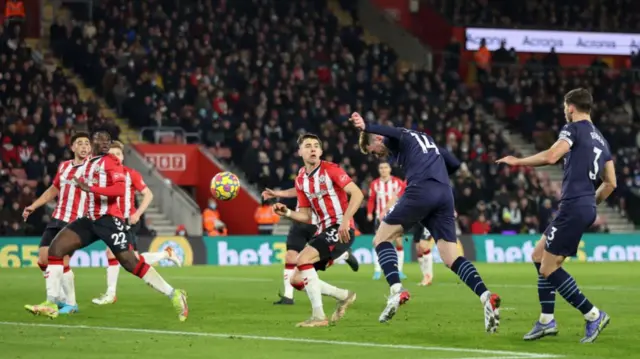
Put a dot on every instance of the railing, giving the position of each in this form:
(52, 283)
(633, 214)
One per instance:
(173, 201)
(157, 134)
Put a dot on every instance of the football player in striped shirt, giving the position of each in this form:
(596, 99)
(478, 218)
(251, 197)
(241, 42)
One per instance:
(133, 183)
(71, 204)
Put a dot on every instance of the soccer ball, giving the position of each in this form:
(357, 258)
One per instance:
(225, 186)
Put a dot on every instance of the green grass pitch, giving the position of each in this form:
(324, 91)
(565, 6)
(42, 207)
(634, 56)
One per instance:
(232, 316)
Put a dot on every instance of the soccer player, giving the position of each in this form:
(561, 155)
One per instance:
(382, 192)
(428, 199)
(299, 235)
(322, 188)
(102, 178)
(133, 183)
(422, 239)
(587, 158)
(70, 205)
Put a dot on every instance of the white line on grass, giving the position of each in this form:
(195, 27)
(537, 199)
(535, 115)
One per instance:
(505, 354)
(520, 286)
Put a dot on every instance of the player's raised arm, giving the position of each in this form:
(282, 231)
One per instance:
(387, 131)
(303, 214)
(271, 193)
(115, 172)
(544, 158)
(48, 196)
(609, 182)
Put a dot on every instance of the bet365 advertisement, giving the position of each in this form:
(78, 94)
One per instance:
(592, 248)
(16, 252)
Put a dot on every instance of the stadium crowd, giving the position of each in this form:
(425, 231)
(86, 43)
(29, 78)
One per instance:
(247, 79)
(39, 111)
(582, 15)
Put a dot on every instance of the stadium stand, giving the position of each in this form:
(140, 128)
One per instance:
(244, 80)
(39, 111)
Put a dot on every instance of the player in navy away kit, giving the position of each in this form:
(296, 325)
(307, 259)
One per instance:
(586, 158)
(428, 199)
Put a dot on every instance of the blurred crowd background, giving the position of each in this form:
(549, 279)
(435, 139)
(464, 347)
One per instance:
(246, 77)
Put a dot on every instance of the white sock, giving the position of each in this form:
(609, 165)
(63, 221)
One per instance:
(593, 314)
(376, 264)
(343, 256)
(485, 296)
(314, 291)
(153, 278)
(288, 288)
(395, 288)
(400, 259)
(331, 291)
(69, 287)
(545, 318)
(112, 278)
(53, 278)
(427, 264)
(152, 258)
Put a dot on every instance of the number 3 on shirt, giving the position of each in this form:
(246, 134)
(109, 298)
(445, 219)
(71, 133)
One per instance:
(596, 168)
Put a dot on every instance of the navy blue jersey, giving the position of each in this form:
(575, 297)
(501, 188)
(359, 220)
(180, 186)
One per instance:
(417, 154)
(583, 164)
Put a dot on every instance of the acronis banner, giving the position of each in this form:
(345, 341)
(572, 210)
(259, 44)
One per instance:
(564, 42)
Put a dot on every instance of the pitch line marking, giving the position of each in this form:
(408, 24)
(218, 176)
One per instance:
(507, 354)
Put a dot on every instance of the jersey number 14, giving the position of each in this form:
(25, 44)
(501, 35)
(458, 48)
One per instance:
(423, 142)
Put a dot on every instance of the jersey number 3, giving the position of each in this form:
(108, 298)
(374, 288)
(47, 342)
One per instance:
(596, 168)
(423, 142)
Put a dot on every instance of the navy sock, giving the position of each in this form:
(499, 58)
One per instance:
(468, 273)
(388, 259)
(546, 293)
(567, 287)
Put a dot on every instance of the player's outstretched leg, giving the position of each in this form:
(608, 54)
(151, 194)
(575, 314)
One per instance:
(113, 272)
(149, 275)
(546, 324)
(152, 258)
(66, 241)
(467, 272)
(351, 261)
(566, 286)
(388, 257)
(344, 298)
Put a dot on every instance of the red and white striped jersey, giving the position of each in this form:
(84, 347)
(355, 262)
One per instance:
(314, 217)
(133, 183)
(103, 171)
(381, 192)
(323, 191)
(72, 201)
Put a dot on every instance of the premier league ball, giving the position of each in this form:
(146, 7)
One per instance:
(225, 186)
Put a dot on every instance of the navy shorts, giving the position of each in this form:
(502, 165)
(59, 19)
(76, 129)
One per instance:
(565, 231)
(111, 230)
(431, 204)
(133, 233)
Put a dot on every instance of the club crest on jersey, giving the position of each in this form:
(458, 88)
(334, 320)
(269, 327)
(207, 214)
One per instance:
(322, 178)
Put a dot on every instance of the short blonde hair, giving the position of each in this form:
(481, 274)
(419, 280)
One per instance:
(117, 144)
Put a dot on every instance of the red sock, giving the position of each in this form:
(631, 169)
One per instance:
(298, 286)
(42, 267)
(66, 269)
(289, 266)
(56, 261)
(141, 268)
(113, 262)
(399, 248)
(427, 252)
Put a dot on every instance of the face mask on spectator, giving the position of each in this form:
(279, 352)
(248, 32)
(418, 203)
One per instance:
(213, 205)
